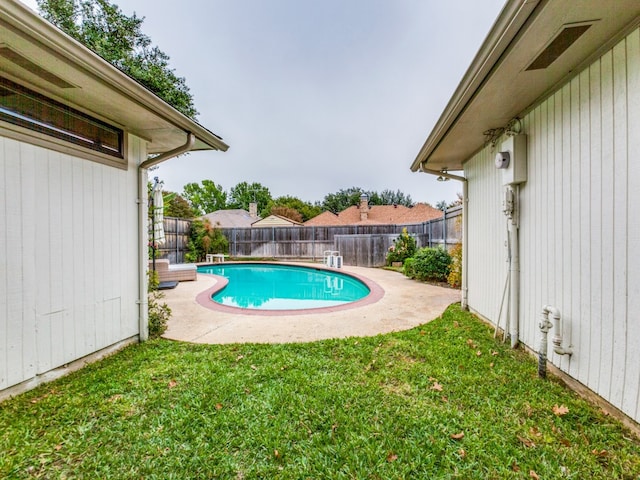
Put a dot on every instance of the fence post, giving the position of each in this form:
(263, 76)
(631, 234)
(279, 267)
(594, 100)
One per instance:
(444, 229)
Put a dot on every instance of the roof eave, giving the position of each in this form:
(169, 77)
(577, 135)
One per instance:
(513, 15)
(81, 57)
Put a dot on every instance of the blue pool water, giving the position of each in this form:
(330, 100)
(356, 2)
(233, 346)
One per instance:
(263, 286)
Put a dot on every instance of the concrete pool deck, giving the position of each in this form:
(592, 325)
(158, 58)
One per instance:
(403, 304)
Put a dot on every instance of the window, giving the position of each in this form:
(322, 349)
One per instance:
(28, 109)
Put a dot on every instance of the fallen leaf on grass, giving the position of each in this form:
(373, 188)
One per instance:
(533, 475)
(535, 432)
(172, 384)
(436, 386)
(239, 357)
(58, 447)
(462, 453)
(471, 343)
(392, 457)
(478, 353)
(457, 436)
(560, 410)
(526, 442)
(515, 467)
(494, 353)
(599, 453)
(565, 442)
(218, 406)
(276, 454)
(253, 367)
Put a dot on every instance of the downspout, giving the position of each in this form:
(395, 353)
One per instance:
(464, 288)
(511, 208)
(143, 233)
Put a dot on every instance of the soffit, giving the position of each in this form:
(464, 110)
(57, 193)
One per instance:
(48, 61)
(508, 89)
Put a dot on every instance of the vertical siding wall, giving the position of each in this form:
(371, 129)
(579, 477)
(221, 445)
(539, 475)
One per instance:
(487, 251)
(68, 258)
(580, 226)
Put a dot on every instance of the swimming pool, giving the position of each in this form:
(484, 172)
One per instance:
(263, 286)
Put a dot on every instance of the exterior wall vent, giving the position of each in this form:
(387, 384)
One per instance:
(567, 36)
(23, 62)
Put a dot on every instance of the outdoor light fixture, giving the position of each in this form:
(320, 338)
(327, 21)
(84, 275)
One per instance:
(442, 178)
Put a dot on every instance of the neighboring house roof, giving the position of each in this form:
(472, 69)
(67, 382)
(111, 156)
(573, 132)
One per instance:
(377, 215)
(31, 56)
(275, 221)
(505, 79)
(235, 218)
(325, 219)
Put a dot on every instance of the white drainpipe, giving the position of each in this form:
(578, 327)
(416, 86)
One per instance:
(464, 287)
(545, 325)
(511, 208)
(143, 234)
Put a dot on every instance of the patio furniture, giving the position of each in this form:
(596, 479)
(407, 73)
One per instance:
(179, 272)
(215, 257)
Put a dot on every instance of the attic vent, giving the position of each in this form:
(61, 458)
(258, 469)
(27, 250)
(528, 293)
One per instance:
(558, 45)
(28, 65)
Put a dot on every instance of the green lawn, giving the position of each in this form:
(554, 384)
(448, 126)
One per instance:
(440, 401)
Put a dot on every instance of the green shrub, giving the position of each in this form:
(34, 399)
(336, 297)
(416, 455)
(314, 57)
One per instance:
(204, 238)
(408, 267)
(159, 313)
(455, 275)
(430, 264)
(403, 247)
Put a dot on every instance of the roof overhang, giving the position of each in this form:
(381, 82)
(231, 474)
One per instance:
(500, 84)
(42, 57)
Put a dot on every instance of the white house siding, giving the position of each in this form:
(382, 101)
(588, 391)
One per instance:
(487, 254)
(68, 257)
(580, 226)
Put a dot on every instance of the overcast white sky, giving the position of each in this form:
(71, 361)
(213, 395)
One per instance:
(316, 95)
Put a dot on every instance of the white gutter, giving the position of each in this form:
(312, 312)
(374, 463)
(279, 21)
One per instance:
(464, 287)
(143, 232)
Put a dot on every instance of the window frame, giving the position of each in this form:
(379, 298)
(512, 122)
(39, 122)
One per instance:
(61, 126)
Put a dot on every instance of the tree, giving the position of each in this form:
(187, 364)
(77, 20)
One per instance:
(176, 206)
(306, 209)
(390, 197)
(345, 198)
(244, 193)
(102, 27)
(342, 199)
(287, 212)
(205, 198)
(441, 205)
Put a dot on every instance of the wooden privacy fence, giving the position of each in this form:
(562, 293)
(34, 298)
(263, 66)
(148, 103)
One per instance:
(360, 245)
(176, 234)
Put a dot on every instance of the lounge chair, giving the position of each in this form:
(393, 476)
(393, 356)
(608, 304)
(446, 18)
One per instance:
(179, 272)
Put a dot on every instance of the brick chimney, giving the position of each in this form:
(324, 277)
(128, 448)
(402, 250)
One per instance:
(364, 207)
(253, 210)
